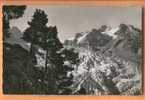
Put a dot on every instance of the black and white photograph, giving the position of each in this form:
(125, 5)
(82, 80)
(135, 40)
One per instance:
(72, 50)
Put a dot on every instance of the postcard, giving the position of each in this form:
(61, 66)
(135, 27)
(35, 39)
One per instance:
(72, 50)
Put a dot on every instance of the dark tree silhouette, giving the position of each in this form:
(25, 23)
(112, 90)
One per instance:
(54, 62)
(34, 32)
(11, 12)
(38, 33)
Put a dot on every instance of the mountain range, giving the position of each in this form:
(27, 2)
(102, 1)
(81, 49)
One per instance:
(124, 41)
(110, 60)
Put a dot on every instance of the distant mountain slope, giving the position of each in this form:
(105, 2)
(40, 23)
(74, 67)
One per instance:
(15, 38)
(94, 39)
(124, 41)
(127, 44)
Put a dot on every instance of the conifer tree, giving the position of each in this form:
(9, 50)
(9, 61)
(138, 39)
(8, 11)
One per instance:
(56, 71)
(50, 43)
(34, 32)
(55, 76)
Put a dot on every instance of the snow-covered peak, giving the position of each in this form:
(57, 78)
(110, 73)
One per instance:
(111, 32)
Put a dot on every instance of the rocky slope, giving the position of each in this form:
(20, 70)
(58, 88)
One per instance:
(124, 41)
(104, 75)
(111, 61)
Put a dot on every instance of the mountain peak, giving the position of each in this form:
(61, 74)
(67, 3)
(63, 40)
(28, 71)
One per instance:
(111, 32)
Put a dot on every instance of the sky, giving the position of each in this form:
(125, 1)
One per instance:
(74, 19)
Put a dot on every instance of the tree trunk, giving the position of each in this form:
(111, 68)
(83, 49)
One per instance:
(49, 77)
(46, 61)
(31, 49)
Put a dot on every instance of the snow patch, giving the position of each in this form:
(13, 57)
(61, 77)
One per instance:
(112, 32)
(71, 39)
(81, 39)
